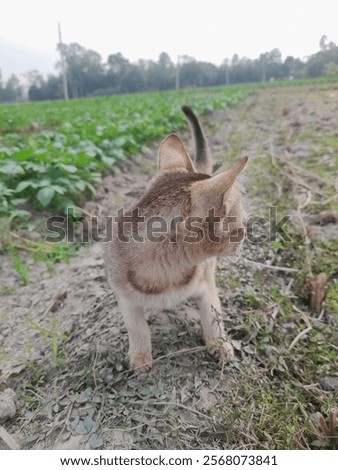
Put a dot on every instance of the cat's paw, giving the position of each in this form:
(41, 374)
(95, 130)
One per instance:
(141, 361)
(221, 349)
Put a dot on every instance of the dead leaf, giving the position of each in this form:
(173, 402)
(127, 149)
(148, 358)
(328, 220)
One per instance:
(95, 441)
(58, 300)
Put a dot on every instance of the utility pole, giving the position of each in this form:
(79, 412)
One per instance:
(264, 60)
(63, 66)
(178, 73)
(227, 72)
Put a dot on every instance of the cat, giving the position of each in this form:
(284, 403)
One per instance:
(163, 250)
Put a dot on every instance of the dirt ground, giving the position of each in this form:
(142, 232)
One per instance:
(67, 364)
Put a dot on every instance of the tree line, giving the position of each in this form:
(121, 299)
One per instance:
(88, 75)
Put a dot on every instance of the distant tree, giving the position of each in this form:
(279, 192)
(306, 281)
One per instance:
(36, 86)
(270, 63)
(164, 61)
(84, 69)
(158, 75)
(13, 90)
(234, 60)
(331, 70)
(36, 93)
(194, 73)
(289, 67)
(34, 77)
(241, 69)
(166, 72)
(132, 80)
(54, 87)
(88, 76)
(316, 65)
(245, 70)
(117, 63)
(293, 68)
(1, 89)
(208, 74)
(274, 62)
(322, 43)
(324, 46)
(116, 69)
(189, 73)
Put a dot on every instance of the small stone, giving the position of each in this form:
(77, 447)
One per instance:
(7, 404)
(329, 383)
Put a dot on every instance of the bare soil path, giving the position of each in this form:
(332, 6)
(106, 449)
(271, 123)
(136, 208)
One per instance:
(67, 363)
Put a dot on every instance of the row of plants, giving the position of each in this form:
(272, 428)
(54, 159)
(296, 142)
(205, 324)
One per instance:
(51, 152)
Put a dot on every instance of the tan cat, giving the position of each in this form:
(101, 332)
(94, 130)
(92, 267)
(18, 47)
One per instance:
(164, 249)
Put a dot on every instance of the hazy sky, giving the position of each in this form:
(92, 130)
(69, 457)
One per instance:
(205, 29)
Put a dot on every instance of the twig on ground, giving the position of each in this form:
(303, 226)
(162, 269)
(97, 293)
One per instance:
(284, 161)
(181, 351)
(321, 314)
(327, 201)
(287, 290)
(305, 185)
(304, 171)
(175, 353)
(302, 333)
(299, 337)
(305, 318)
(179, 405)
(306, 202)
(275, 268)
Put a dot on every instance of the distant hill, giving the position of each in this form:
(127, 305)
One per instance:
(18, 59)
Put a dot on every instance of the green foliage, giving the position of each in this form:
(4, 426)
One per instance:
(52, 336)
(332, 298)
(317, 64)
(82, 139)
(331, 70)
(18, 264)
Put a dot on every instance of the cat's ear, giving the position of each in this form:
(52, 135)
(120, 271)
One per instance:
(173, 156)
(220, 185)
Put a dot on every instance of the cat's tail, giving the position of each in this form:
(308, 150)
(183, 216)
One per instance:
(203, 161)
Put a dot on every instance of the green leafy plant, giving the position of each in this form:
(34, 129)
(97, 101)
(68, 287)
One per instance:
(52, 336)
(81, 140)
(18, 264)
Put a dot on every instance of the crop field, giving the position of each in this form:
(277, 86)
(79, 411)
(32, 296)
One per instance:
(78, 141)
(63, 342)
